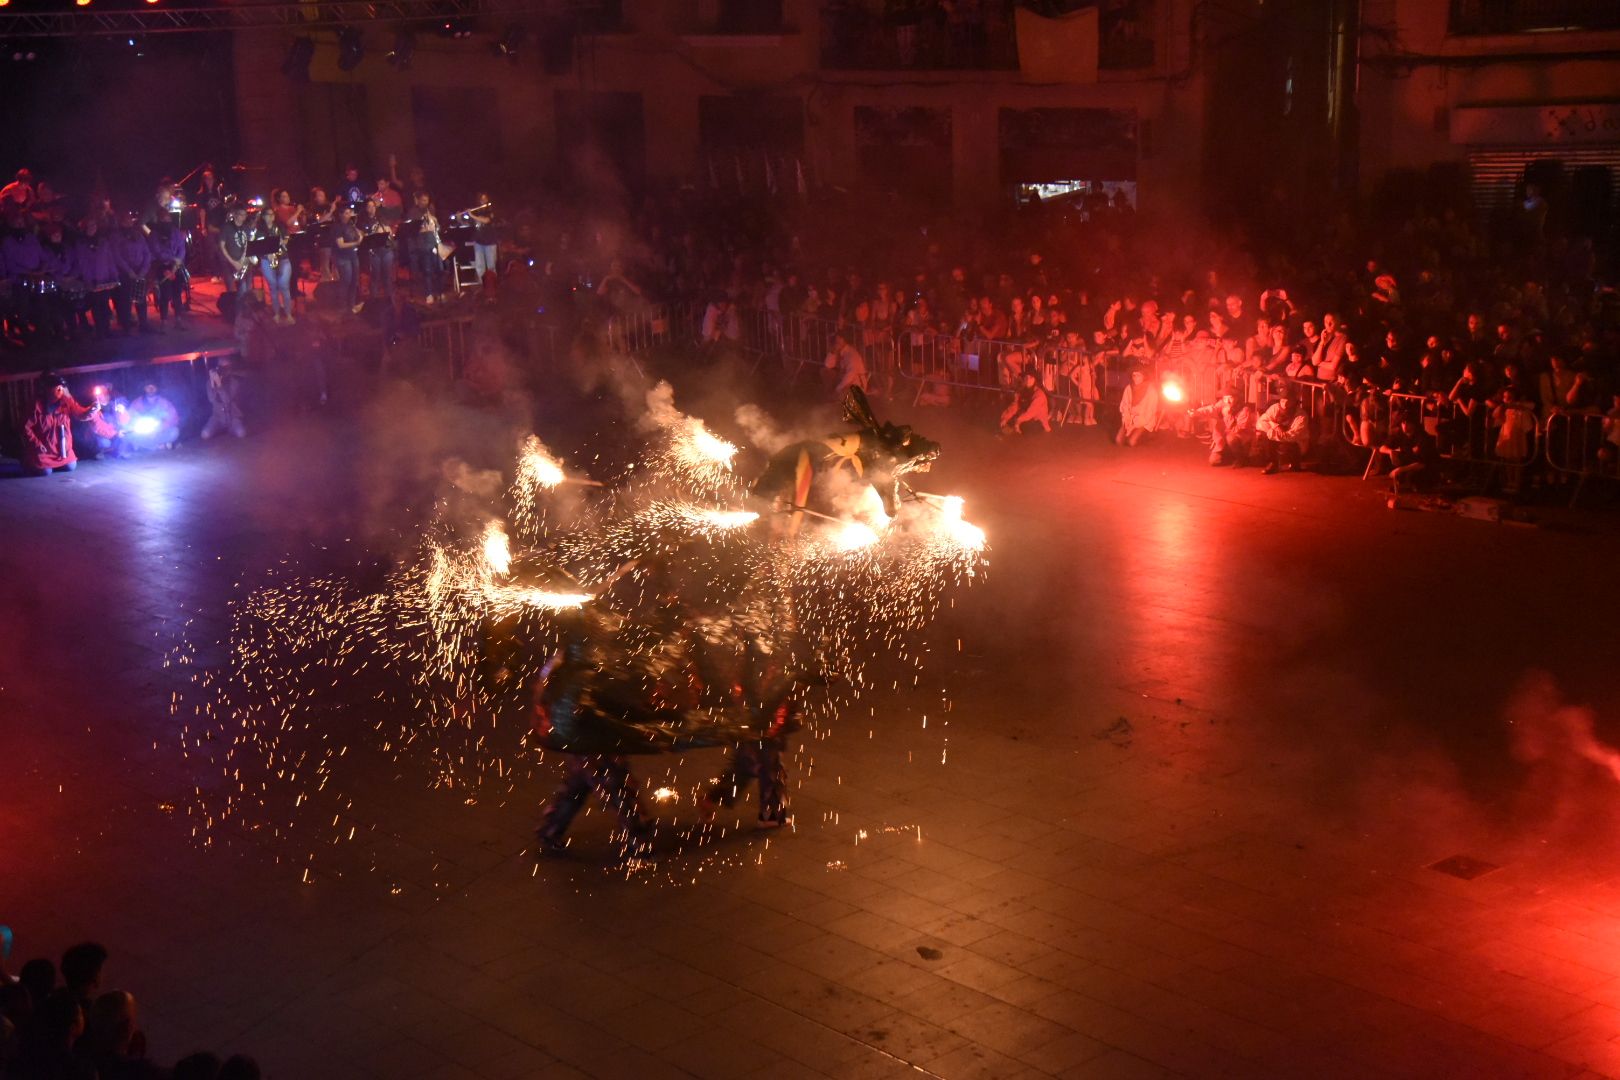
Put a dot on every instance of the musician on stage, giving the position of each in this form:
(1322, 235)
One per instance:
(390, 203)
(232, 247)
(321, 211)
(93, 262)
(133, 254)
(277, 267)
(350, 190)
(346, 241)
(168, 246)
(20, 192)
(484, 239)
(210, 197)
(378, 247)
(427, 269)
(158, 208)
(288, 214)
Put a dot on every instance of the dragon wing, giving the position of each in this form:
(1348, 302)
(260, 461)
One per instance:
(857, 410)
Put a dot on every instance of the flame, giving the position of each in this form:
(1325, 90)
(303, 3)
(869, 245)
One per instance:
(727, 519)
(1171, 389)
(502, 596)
(700, 446)
(537, 468)
(497, 548)
(854, 536)
(961, 532)
(871, 509)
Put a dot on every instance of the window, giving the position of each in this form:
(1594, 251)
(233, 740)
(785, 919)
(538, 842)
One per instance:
(1532, 16)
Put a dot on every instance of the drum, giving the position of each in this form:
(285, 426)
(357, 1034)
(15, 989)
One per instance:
(39, 285)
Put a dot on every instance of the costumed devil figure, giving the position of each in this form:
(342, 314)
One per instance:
(809, 475)
(647, 682)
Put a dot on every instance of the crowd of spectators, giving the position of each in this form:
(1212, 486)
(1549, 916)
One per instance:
(1306, 343)
(59, 1023)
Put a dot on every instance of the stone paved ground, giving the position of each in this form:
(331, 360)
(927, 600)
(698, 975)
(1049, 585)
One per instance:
(1209, 732)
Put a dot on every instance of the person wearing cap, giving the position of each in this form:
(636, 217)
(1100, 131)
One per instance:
(47, 434)
(1284, 433)
(132, 252)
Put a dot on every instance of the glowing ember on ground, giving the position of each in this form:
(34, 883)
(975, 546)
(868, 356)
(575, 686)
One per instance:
(665, 794)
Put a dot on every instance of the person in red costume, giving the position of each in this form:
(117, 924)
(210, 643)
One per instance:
(48, 431)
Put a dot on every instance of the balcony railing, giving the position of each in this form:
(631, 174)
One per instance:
(1475, 17)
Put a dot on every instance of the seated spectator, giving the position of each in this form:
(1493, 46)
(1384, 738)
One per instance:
(224, 400)
(1138, 409)
(1284, 433)
(198, 1066)
(1410, 453)
(239, 1067)
(1029, 411)
(81, 972)
(109, 426)
(154, 422)
(48, 1053)
(113, 1043)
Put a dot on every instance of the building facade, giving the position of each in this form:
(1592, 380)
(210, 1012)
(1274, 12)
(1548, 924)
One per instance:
(961, 105)
(1508, 92)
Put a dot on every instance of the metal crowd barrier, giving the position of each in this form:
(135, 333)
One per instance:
(637, 331)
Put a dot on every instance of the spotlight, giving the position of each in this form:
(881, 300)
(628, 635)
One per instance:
(510, 42)
(456, 28)
(21, 52)
(404, 48)
(351, 49)
(299, 54)
(81, 3)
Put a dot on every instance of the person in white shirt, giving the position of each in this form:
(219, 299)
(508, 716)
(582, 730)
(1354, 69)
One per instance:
(847, 360)
(1285, 432)
(1138, 409)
